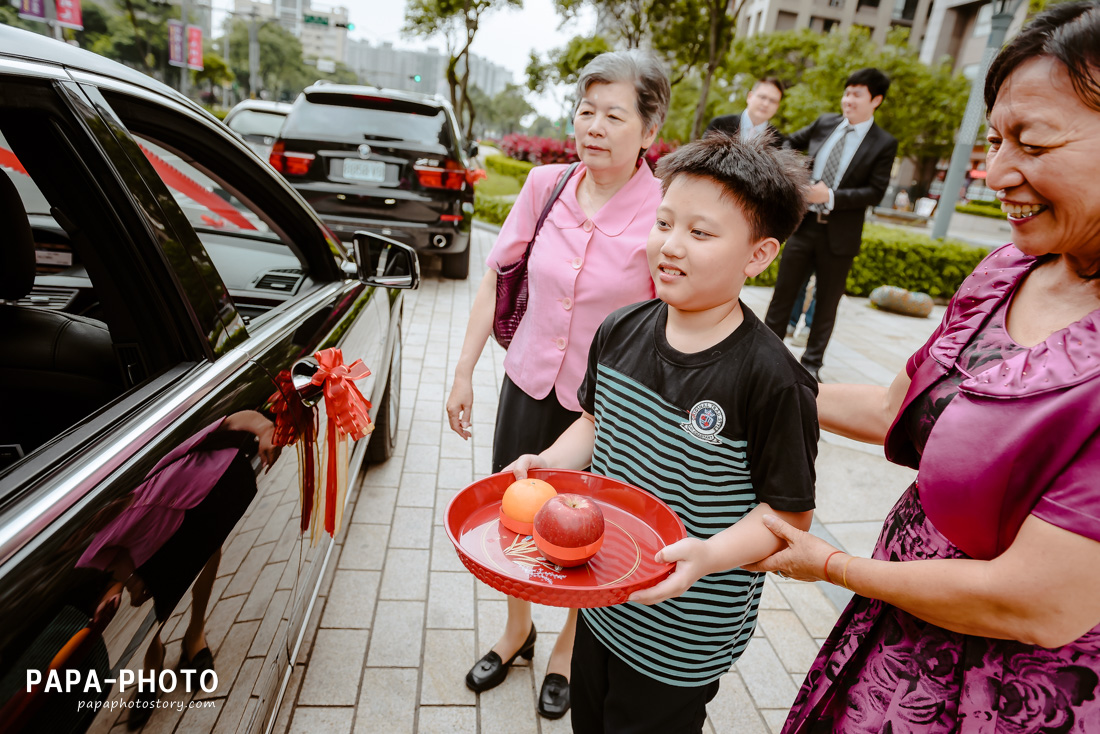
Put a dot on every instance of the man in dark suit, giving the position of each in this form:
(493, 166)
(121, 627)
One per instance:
(762, 104)
(851, 170)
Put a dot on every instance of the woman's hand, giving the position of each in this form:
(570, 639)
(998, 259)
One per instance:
(520, 466)
(802, 560)
(460, 403)
(692, 563)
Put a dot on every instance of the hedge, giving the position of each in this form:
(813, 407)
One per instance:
(888, 256)
(509, 167)
(981, 209)
(491, 210)
(909, 260)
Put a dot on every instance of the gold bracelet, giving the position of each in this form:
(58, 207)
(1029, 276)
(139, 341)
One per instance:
(844, 576)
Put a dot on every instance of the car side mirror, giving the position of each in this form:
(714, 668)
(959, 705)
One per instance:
(473, 149)
(385, 262)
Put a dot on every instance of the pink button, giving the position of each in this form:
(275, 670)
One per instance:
(587, 226)
(577, 263)
(567, 303)
(560, 343)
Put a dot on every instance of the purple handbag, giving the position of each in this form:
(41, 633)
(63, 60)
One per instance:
(512, 279)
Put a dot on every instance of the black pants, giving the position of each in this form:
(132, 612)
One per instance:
(610, 697)
(526, 425)
(806, 252)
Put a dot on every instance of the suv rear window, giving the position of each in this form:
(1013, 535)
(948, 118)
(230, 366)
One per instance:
(354, 117)
(257, 122)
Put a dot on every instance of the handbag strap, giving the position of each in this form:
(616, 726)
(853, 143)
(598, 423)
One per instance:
(550, 204)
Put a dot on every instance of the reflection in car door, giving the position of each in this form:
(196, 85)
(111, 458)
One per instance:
(267, 556)
(169, 517)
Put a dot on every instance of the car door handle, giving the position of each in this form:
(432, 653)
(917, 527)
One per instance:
(301, 376)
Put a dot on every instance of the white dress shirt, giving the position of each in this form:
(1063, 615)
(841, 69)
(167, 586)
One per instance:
(851, 144)
(750, 131)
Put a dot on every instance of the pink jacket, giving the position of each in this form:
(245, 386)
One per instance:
(580, 271)
(1022, 437)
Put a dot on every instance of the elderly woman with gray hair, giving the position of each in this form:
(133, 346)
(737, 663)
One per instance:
(588, 259)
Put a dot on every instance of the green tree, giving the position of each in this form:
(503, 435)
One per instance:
(283, 73)
(215, 72)
(922, 110)
(501, 114)
(631, 22)
(457, 21)
(344, 74)
(558, 76)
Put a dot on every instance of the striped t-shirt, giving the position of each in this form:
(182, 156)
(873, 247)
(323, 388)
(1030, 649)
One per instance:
(712, 434)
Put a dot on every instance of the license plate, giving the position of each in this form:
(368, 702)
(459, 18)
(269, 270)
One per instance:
(374, 171)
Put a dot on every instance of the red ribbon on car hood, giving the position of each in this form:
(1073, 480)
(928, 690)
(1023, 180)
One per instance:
(348, 417)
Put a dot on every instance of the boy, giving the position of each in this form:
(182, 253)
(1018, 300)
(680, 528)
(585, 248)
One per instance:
(692, 398)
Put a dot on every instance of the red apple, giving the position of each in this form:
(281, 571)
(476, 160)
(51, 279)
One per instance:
(568, 529)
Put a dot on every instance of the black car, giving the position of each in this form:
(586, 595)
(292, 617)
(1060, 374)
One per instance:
(164, 292)
(387, 161)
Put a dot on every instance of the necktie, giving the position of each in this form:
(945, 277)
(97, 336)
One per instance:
(832, 164)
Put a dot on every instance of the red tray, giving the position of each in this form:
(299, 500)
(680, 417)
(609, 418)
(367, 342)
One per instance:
(637, 526)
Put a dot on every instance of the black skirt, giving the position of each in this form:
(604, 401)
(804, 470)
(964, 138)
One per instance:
(525, 425)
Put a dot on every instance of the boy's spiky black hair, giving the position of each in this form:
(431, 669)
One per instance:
(770, 184)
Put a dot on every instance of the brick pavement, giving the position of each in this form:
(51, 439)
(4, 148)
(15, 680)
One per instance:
(400, 620)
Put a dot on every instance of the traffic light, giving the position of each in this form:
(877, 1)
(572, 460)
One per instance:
(415, 78)
(349, 26)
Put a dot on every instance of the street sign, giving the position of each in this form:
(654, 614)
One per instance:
(316, 19)
(326, 66)
(69, 15)
(194, 47)
(176, 55)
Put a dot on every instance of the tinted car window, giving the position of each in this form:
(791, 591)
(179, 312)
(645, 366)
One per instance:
(358, 117)
(255, 122)
(33, 200)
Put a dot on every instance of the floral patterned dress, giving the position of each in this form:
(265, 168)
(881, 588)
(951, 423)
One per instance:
(884, 671)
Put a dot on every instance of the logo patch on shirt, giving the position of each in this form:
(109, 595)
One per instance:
(705, 421)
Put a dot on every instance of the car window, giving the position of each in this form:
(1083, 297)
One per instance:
(207, 204)
(79, 330)
(330, 116)
(257, 122)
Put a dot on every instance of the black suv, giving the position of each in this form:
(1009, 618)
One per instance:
(390, 162)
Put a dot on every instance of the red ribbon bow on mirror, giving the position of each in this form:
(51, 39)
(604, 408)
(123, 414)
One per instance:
(348, 417)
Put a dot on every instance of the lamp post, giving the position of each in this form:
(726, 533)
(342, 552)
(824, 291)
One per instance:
(1003, 13)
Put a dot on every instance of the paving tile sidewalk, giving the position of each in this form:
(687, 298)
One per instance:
(399, 620)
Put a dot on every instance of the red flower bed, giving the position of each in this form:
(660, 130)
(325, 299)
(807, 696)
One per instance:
(552, 150)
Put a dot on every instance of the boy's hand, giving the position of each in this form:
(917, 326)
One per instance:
(520, 466)
(692, 561)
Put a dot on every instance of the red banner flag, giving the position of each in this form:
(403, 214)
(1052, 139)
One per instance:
(194, 47)
(69, 15)
(176, 55)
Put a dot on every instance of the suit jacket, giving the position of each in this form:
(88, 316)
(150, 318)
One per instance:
(863, 184)
(731, 125)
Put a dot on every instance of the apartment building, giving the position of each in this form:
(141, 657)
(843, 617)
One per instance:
(877, 16)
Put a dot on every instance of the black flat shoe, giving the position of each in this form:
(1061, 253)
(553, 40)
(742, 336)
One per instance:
(490, 671)
(554, 696)
(202, 662)
(142, 708)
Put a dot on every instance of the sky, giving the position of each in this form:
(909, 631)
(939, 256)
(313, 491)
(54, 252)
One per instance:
(505, 37)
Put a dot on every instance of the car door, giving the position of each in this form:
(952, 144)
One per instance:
(320, 307)
(88, 581)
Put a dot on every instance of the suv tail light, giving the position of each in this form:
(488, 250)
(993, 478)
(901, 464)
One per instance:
(451, 176)
(290, 164)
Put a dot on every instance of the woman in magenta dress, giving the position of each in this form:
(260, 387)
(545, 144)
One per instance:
(979, 611)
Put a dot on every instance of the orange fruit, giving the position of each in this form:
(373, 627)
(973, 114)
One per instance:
(525, 497)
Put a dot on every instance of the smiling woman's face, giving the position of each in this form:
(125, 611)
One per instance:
(609, 130)
(1042, 161)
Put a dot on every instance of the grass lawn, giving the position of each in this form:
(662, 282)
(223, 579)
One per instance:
(497, 184)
